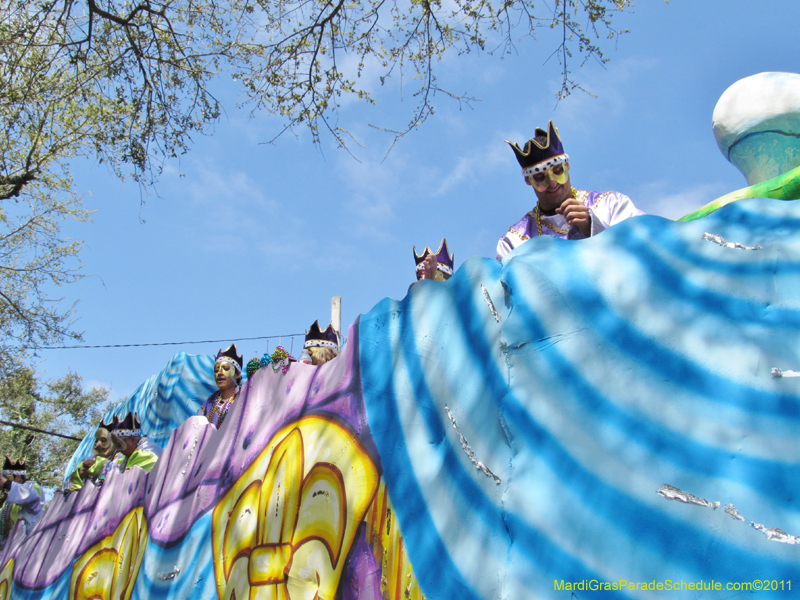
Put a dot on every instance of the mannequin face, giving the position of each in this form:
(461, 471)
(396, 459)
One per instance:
(225, 376)
(102, 444)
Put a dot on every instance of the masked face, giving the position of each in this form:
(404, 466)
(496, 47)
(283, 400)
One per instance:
(102, 443)
(225, 376)
(554, 176)
(552, 187)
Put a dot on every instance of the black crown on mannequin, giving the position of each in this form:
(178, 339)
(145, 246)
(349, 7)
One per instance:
(325, 338)
(444, 259)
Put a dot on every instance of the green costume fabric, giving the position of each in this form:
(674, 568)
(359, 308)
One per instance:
(75, 480)
(144, 459)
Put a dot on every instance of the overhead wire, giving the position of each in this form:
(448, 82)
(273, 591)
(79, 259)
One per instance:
(241, 339)
(37, 430)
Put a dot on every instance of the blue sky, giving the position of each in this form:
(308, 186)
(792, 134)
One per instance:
(242, 239)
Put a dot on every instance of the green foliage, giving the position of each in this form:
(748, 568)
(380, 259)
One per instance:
(33, 259)
(59, 406)
(310, 55)
(130, 81)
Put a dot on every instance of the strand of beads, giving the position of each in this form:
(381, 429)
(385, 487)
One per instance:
(220, 409)
(281, 359)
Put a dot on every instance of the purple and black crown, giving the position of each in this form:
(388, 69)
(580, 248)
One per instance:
(14, 467)
(537, 157)
(326, 338)
(444, 259)
(111, 425)
(127, 427)
(107, 426)
(230, 356)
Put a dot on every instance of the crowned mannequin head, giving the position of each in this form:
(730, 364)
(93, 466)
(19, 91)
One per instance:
(102, 442)
(322, 345)
(441, 260)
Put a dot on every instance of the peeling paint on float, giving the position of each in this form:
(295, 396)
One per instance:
(718, 239)
(672, 493)
(466, 447)
(731, 511)
(773, 533)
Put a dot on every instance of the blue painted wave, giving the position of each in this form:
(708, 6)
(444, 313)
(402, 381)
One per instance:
(615, 365)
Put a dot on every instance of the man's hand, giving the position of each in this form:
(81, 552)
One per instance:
(430, 262)
(83, 470)
(576, 214)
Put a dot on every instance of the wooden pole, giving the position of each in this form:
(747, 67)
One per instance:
(336, 317)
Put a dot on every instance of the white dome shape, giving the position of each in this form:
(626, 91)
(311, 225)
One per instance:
(757, 125)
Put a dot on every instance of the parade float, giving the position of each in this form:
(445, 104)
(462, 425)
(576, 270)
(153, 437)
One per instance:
(582, 419)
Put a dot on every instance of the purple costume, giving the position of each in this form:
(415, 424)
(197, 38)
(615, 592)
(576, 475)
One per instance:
(215, 409)
(605, 209)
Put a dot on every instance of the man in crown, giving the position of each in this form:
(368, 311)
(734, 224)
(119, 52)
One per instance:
(434, 265)
(25, 500)
(228, 376)
(321, 345)
(94, 468)
(561, 210)
(135, 449)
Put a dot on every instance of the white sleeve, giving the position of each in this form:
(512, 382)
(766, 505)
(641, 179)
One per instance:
(23, 493)
(503, 247)
(612, 208)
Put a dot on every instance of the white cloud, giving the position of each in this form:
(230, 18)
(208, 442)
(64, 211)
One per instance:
(374, 187)
(113, 395)
(209, 184)
(604, 101)
(228, 203)
(656, 198)
(473, 166)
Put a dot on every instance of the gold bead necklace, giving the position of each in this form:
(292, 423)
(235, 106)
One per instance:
(218, 405)
(537, 216)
